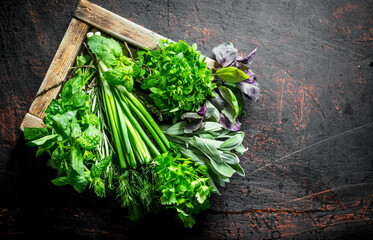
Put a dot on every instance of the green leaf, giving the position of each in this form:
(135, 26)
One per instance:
(83, 60)
(209, 149)
(176, 129)
(99, 188)
(237, 167)
(230, 158)
(120, 75)
(232, 142)
(201, 197)
(77, 160)
(79, 99)
(78, 181)
(240, 149)
(106, 49)
(58, 155)
(223, 168)
(90, 138)
(75, 128)
(35, 133)
(61, 124)
(194, 155)
(98, 168)
(41, 141)
(231, 74)
(231, 110)
(60, 181)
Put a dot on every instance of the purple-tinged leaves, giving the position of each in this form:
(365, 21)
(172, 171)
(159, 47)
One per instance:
(227, 124)
(250, 90)
(225, 54)
(195, 119)
(202, 110)
(193, 126)
(249, 59)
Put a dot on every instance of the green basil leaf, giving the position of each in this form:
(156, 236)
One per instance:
(231, 74)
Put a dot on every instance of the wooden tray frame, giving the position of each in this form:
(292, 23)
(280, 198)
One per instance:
(86, 16)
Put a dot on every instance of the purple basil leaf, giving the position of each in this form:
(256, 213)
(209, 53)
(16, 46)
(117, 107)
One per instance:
(202, 110)
(249, 59)
(225, 54)
(252, 91)
(227, 124)
(193, 126)
(251, 56)
(251, 75)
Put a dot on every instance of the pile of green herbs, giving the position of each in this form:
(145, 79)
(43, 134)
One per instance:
(156, 131)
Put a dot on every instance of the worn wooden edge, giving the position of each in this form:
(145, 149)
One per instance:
(58, 70)
(31, 121)
(62, 62)
(122, 28)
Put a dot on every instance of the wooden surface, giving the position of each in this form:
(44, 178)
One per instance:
(309, 172)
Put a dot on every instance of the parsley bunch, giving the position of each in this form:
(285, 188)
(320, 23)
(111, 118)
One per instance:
(183, 185)
(176, 76)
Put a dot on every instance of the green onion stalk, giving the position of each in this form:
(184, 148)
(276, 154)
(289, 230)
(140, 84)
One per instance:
(135, 136)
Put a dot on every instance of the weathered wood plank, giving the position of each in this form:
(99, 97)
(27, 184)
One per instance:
(31, 121)
(121, 28)
(59, 68)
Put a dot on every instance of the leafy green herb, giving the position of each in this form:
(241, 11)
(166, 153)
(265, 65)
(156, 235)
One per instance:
(176, 76)
(72, 135)
(210, 146)
(184, 186)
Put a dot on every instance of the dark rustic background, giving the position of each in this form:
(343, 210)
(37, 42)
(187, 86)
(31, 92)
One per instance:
(309, 172)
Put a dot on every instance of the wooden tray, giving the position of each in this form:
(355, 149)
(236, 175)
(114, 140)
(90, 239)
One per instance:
(86, 16)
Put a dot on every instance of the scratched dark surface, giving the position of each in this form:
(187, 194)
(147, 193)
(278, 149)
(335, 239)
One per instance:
(309, 172)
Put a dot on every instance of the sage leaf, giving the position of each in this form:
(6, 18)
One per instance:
(237, 167)
(223, 168)
(232, 142)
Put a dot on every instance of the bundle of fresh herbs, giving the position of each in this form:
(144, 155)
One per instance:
(99, 131)
(176, 76)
